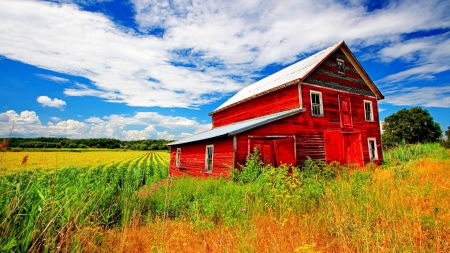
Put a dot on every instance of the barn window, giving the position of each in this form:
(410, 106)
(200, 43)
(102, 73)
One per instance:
(177, 162)
(340, 66)
(316, 103)
(373, 154)
(368, 110)
(209, 158)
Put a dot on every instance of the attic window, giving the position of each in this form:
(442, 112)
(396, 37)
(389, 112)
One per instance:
(340, 66)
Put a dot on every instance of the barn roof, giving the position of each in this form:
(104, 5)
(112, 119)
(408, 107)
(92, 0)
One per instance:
(238, 127)
(294, 74)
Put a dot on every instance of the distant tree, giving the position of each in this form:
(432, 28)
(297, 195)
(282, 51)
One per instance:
(410, 126)
(446, 143)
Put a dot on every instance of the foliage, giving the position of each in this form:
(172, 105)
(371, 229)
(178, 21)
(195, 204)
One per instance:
(250, 171)
(42, 211)
(319, 207)
(410, 126)
(446, 143)
(53, 142)
(407, 152)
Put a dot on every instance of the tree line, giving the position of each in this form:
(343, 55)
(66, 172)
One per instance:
(55, 142)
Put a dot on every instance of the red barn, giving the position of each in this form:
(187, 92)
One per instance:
(324, 107)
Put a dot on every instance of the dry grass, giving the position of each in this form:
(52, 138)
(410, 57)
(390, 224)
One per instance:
(400, 209)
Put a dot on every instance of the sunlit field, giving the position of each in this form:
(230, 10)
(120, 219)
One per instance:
(11, 162)
(402, 206)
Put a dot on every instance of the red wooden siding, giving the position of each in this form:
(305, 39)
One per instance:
(274, 150)
(327, 75)
(285, 151)
(280, 100)
(309, 131)
(193, 155)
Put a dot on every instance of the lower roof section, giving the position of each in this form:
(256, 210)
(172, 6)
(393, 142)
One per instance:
(239, 127)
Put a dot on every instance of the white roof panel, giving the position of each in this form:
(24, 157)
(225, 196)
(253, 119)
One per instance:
(238, 127)
(298, 70)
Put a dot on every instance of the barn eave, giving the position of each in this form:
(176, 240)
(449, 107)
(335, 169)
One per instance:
(239, 127)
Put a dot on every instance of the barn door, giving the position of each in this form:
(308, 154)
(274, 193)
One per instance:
(265, 149)
(346, 113)
(334, 147)
(285, 151)
(275, 151)
(353, 146)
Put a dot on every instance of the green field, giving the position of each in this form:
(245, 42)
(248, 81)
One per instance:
(401, 206)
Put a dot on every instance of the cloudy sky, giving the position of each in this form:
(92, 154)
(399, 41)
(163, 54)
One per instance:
(135, 69)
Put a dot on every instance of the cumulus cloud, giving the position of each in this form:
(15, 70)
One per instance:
(46, 101)
(206, 50)
(142, 125)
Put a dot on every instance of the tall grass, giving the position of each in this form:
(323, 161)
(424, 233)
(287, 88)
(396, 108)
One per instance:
(319, 207)
(65, 210)
(402, 206)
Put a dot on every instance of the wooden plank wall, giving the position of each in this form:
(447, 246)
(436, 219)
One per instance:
(192, 160)
(280, 100)
(309, 130)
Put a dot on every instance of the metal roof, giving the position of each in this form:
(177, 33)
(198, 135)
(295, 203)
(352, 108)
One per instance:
(297, 71)
(238, 127)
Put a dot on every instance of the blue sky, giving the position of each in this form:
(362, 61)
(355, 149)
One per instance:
(146, 69)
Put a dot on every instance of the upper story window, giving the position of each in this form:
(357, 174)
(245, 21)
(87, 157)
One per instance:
(209, 158)
(373, 153)
(368, 110)
(177, 161)
(340, 65)
(316, 103)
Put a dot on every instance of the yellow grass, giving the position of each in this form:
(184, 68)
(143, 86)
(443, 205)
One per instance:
(13, 161)
(411, 214)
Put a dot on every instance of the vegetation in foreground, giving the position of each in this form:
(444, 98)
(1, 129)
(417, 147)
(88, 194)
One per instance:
(402, 206)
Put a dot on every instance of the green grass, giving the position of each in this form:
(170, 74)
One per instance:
(400, 206)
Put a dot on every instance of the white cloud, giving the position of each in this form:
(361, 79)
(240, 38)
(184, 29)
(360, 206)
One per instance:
(27, 122)
(142, 125)
(54, 78)
(56, 119)
(421, 96)
(423, 59)
(46, 101)
(221, 42)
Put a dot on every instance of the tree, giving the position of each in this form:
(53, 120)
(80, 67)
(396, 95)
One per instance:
(410, 126)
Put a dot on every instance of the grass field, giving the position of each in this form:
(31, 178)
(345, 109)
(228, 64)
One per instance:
(11, 162)
(402, 206)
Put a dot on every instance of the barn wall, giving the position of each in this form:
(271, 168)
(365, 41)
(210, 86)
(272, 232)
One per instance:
(309, 130)
(192, 160)
(327, 75)
(280, 100)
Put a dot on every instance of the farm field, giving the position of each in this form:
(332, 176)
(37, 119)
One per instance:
(11, 162)
(401, 206)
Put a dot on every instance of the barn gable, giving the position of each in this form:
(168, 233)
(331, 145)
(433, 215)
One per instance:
(317, 64)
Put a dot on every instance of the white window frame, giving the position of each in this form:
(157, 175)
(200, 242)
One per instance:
(315, 105)
(178, 158)
(343, 65)
(375, 150)
(206, 159)
(371, 110)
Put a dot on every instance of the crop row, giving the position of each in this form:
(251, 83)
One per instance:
(11, 162)
(42, 209)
